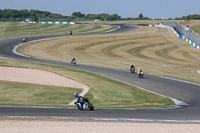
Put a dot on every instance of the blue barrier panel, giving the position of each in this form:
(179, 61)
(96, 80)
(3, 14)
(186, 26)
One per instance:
(53, 22)
(180, 36)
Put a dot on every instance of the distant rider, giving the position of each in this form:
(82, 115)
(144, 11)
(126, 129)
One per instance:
(70, 33)
(73, 60)
(139, 70)
(132, 68)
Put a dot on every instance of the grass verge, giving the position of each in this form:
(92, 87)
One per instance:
(104, 92)
(8, 30)
(157, 50)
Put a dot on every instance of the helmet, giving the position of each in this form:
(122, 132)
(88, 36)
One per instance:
(75, 94)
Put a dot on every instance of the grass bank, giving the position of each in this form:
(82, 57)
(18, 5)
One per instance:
(196, 28)
(157, 50)
(104, 92)
(8, 30)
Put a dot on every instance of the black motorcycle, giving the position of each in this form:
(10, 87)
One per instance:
(83, 103)
(70, 33)
(73, 62)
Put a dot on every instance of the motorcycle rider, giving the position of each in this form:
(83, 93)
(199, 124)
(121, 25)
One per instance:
(24, 40)
(131, 68)
(73, 60)
(79, 98)
(139, 70)
(70, 33)
(85, 104)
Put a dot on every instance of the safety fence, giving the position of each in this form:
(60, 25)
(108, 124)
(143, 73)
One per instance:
(179, 35)
(185, 31)
(57, 22)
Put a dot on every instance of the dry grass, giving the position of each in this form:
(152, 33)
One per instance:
(8, 30)
(185, 23)
(158, 51)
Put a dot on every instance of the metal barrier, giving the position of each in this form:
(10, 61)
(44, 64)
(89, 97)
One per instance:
(188, 33)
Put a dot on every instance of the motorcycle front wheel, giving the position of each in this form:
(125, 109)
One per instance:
(91, 107)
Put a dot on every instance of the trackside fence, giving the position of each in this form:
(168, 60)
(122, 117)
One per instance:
(179, 35)
(185, 31)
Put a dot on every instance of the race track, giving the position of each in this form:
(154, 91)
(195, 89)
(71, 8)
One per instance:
(183, 91)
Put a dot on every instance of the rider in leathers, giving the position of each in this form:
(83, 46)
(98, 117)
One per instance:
(139, 71)
(80, 99)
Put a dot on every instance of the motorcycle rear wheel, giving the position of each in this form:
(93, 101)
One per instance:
(79, 107)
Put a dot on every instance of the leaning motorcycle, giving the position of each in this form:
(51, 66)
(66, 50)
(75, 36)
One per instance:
(73, 62)
(141, 75)
(83, 104)
(132, 70)
(24, 40)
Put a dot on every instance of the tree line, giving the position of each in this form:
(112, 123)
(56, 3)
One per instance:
(189, 17)
(38, 15)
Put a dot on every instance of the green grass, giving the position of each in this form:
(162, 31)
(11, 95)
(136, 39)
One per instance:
(22, 94)
(8, 30)
(104, 92)
(196, 28)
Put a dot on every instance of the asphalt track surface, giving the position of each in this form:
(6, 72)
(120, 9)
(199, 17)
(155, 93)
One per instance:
(183, 91)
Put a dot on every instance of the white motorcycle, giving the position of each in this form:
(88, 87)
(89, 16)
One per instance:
(141, 75)
(24, 40)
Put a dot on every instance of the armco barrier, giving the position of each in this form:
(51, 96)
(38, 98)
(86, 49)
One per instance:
(178, 35)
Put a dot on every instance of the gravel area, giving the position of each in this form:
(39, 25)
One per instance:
(13, 126)
(39, 77)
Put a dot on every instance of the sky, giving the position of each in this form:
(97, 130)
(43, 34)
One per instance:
(163, 9)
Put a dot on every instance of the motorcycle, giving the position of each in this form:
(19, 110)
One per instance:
(70, 33)
(132, 70)
(73, 62)
(141, 75)
(24, 40)
(83, 104)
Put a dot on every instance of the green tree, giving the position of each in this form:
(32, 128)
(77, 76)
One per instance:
(140, 16)
(78, 14)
